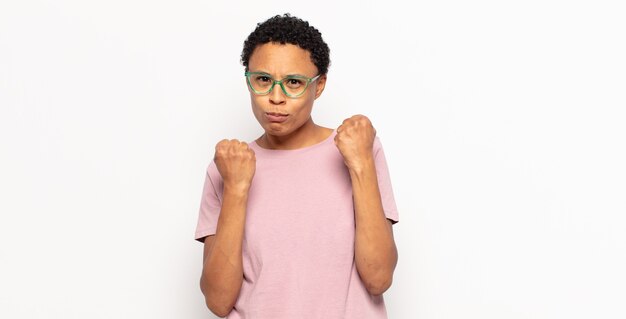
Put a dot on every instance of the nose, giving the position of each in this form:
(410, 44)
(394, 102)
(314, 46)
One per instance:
(277, 96)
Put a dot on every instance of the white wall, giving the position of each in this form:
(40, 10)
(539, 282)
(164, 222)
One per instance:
(503, 125)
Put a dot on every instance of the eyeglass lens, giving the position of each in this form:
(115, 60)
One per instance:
(263, 83)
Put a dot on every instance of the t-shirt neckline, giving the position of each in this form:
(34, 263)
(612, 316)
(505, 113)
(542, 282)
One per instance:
(259, 149)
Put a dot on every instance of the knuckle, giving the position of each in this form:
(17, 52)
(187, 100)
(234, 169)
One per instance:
(221, 143)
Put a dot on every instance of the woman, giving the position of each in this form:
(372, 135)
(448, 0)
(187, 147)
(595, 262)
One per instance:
(296, 224)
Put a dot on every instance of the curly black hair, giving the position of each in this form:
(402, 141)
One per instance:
(289, 29)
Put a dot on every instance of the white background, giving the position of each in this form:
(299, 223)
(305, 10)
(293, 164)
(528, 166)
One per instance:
(502, 122)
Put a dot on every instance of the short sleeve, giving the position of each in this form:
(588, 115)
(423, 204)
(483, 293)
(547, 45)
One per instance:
(384, 182)
(210, 203)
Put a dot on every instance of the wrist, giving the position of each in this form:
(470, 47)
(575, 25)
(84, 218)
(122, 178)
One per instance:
(362, 166)
(237, 189)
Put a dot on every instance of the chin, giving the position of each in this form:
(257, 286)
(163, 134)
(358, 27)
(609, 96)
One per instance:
(276, 130)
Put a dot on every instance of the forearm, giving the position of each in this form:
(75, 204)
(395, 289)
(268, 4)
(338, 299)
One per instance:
(375, 250)
(222, 273)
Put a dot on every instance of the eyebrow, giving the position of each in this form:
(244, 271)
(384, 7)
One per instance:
(286, 76)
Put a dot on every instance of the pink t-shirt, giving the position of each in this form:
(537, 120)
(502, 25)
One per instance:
(298, 244)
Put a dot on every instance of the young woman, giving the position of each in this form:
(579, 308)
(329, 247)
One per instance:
(297, 223)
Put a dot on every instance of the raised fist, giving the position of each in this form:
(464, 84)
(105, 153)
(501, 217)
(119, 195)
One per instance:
(355, 140)
(236, 163)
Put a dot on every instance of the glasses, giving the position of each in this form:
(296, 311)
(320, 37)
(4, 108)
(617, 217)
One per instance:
(262, 83)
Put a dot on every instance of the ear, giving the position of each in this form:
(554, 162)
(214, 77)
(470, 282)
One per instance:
(321, 83)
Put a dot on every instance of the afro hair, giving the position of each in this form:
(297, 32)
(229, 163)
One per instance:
(288, 29)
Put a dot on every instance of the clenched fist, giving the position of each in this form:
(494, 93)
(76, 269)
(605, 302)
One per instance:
(355, 140)
(236, 163)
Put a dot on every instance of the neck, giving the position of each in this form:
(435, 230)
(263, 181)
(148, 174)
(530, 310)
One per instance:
(307, 134)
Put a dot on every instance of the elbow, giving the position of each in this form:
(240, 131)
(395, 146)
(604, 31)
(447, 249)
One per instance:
(219, 310)
(218, 307)
(377, 279)
(378, 287)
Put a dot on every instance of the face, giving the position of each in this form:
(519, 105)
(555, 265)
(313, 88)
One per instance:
(281, 60)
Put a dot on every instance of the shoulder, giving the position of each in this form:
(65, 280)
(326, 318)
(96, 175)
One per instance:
(377, 146)
(213, 174)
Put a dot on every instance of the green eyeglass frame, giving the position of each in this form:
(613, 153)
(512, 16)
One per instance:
(280, 82)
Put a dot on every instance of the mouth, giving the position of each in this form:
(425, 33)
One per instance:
(276, 114)
(276, 117)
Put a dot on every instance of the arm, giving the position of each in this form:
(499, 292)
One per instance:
(222, 272)
(374, 248)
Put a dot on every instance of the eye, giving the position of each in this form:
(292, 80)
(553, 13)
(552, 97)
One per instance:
(263, 78)
(295, 82)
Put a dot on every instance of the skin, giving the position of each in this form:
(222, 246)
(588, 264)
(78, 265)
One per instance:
(375, 250)
(298, 130)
